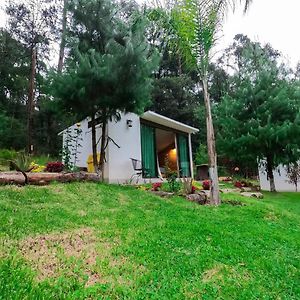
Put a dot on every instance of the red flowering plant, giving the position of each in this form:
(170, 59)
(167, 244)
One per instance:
(156, 186)
(206, 185)
(55, 167)
(238, 184)
(241, 184)
(193, 189)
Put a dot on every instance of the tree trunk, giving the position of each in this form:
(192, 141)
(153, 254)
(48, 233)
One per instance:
(270, 172)
(30, 103)
(45, 178)
(94, 144)
(103, 145)
(211, 147)
(63, 38)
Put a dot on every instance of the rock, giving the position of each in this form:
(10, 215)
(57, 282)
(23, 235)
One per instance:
(206, 192)
(200, 198)
(228, 191)
(246, 189)
(162, 194)
(253, 195)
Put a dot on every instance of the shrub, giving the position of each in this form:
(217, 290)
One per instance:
(55, 167)
(36, 168)
(156, 186)
(206, 185)
(6, 154)
(241, 184)
(193, 189)
(238, 184)
(174, 185)
(189, 186)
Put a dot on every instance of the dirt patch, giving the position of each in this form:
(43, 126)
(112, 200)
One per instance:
(234, 202)
(123, 199)
(221, 273)
(82, 213)
(79, 254)
(214, 274)
(54, 254)
(270, 216)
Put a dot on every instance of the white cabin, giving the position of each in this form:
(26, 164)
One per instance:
(149, 139)
(281, 180)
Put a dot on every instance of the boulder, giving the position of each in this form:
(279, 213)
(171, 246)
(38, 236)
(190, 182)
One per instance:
(200, 198)
(228, 191)
(162, 194)
(253, 195)
(246, 190)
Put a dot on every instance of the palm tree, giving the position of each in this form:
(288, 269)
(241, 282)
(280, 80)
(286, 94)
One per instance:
(196, 24)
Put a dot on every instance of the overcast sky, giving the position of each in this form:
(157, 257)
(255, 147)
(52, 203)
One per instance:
(268, 21)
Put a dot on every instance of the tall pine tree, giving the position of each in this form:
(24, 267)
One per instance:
(110, 67)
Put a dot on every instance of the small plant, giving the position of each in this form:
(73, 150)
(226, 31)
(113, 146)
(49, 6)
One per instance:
(174, 185)
(193, 191)
(22, 163)
(238, 184)
(242, 183)
(206, 185)
(36, 168)
(55, 167)
(188, 186)
(71, 148)
(156, 186)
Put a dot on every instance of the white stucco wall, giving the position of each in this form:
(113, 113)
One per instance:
(85, 149)
(280, 177)
(129, 139)
(118, 165)
(85, 141)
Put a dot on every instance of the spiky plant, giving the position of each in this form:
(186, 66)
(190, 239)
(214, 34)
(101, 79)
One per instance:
(22, 164)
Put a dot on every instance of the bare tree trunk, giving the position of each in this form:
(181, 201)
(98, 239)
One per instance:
(270, 172)
(211, 147)
(63, 38)
(103, 145)
(94, 144)
(30, 103)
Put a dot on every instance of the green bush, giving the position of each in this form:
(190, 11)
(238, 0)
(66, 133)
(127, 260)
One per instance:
(6, 154)
(201, 155)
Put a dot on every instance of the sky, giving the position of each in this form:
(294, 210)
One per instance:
(268, 21)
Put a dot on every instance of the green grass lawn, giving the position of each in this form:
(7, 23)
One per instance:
(93, 241)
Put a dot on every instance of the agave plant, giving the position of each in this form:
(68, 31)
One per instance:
(22, 163)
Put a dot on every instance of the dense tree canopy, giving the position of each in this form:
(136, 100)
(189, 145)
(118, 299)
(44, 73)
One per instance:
(259, 119)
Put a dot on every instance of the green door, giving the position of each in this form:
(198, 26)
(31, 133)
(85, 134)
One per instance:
(183, 155)
(148, 151)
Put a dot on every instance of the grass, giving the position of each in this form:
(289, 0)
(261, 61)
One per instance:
(93, 241)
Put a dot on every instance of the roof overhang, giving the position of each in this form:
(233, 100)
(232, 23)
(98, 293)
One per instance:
(167, 122)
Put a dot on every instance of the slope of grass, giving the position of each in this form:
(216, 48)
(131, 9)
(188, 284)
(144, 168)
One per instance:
(80, 241)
